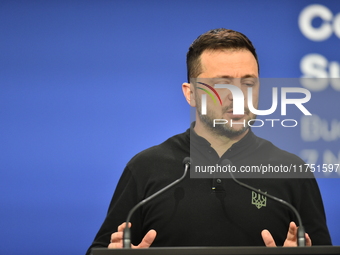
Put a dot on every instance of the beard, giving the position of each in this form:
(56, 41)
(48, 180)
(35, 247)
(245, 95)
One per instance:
(225, 130)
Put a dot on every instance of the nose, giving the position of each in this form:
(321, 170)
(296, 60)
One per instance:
(236, 82)
(230, 96)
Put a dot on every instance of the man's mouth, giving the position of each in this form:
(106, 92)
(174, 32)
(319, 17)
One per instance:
(229, 112)
(231, 115)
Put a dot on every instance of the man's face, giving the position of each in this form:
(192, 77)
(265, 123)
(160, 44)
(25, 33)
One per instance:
(236, 67)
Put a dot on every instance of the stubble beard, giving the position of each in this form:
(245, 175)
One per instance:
(225, 130)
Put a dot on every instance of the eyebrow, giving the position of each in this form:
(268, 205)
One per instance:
(230, 77)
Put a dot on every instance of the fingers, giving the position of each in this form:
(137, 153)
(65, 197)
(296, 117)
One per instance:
(148, 239)
(308, 240)
(122, 226)
(116, 237)
(115, 245)
(292, 236)
(268, 238)
(292, 232)
(116, 240)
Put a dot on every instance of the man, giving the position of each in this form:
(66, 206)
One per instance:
(205, 211)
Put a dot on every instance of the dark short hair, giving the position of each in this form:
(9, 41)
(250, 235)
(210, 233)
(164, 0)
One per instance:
(216, 39)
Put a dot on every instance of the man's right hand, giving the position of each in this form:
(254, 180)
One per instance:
(117, 238)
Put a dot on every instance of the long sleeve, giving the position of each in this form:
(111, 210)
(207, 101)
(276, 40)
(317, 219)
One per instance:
(124, 198)
(313, 214)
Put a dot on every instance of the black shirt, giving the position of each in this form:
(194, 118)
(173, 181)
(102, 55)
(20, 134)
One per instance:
(212, 211)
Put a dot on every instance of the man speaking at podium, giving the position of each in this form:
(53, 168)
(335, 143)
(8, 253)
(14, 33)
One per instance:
(214, 211)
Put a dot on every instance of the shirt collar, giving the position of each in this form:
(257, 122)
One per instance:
(247, 140)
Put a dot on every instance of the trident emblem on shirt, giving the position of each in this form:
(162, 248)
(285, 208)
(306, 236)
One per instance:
(258, 200)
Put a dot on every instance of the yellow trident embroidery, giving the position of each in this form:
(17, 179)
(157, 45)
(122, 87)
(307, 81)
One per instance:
(258, 200)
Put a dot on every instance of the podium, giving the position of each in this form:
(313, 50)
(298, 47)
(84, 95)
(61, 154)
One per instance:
(249, 250)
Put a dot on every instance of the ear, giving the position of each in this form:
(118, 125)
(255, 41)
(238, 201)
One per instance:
(189, 93)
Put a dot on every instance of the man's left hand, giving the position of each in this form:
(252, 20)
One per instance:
(290, 241)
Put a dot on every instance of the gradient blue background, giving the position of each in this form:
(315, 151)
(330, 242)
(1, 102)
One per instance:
(85, 85)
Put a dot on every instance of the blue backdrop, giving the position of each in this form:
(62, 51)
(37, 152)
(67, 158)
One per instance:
(85, 85)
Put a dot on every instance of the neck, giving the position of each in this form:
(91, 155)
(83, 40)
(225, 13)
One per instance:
(218, 142)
